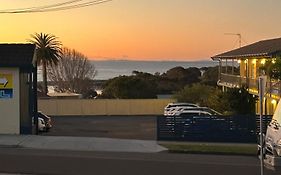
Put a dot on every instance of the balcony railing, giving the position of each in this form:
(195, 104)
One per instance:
(273, 88)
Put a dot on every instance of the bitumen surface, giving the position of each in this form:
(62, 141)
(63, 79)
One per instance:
(80, 143)
(119, 127)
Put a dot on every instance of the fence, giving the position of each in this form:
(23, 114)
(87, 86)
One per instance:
(208, 128)
(265, 121)
(103, 106)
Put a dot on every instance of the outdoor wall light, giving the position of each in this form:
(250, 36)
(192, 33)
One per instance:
(239, 61)
(273, 60)
(263, 61)
(254, 61)
(273, 101)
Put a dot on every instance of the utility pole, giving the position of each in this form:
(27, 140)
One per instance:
(237, 34)
(262, 92)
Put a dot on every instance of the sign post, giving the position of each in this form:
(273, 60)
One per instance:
(262, 87)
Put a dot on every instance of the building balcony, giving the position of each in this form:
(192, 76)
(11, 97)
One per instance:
(273, 87)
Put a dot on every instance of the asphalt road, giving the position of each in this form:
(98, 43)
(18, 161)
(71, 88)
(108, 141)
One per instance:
(32, 161)
(69, 162)
(124, 127)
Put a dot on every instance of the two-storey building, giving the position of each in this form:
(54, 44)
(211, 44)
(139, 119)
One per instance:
(250, 61)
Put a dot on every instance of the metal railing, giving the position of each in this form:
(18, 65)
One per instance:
(232, 80)
(273, 87)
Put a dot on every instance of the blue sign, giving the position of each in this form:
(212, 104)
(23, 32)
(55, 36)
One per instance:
(6, 93)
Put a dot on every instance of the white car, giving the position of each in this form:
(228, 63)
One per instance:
(197, 110)
(41, 124)
(47, 120)
(193, 112)
(171, 108)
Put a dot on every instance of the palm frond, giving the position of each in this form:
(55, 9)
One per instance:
(48, 48)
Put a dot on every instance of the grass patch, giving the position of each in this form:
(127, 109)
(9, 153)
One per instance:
(249, 150)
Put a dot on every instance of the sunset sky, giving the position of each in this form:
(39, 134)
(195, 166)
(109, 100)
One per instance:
(148, 29)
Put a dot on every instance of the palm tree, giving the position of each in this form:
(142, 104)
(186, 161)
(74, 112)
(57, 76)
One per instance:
(48, 53)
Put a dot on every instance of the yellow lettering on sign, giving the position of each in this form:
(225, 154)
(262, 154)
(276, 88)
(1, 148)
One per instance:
(6, 81)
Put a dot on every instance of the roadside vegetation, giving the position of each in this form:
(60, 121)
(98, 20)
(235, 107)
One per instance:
(212, 148)
(146, 85)
(233, 101)
(192, 85)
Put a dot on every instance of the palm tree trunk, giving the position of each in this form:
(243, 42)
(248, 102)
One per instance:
(44, 76)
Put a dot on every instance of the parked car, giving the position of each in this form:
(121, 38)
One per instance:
(199, 110)
(41, 124)
(171, 108)
(272, 140)
(176, 111)
(47, 120)
(193, 113)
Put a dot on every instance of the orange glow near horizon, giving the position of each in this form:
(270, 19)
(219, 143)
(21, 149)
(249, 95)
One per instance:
(147, 30)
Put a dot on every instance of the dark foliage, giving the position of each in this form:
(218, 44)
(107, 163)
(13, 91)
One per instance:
(210, 76)
(129, 87)
(234, 101)
(146, 85)
(272, 68)
(241, 101)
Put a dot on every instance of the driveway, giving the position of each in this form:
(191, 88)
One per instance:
(124, 127)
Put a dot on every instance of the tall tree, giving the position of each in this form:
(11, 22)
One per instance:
(48, 52)
(73, 73)
(196, 93)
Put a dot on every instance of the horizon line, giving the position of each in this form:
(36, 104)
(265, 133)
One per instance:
(152, 60)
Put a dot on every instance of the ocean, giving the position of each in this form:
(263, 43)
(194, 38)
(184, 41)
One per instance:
(115, 68)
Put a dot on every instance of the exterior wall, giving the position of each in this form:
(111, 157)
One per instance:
(10, 107)
(25, 104)
(62, 107)
(242, 69)
(252, 69)
(268, 106)
(251, 66)
(258, 65)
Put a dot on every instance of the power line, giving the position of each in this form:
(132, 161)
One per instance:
(55, 7)
(41, 7)
(86, 4)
